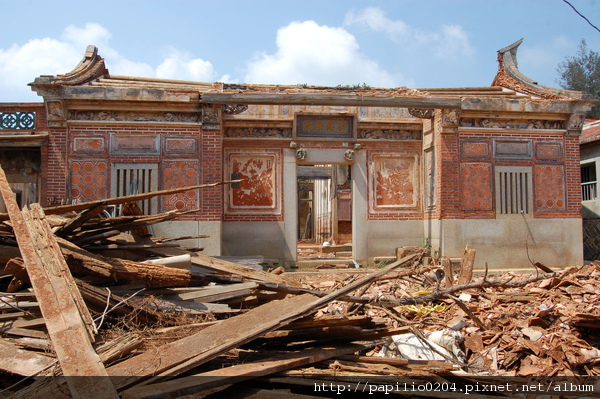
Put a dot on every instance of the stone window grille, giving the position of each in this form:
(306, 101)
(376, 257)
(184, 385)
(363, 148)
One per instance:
(514, 190)
(131, 178)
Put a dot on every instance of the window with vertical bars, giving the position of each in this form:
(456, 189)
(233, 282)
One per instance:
(130, 179)
(589, 190)
(514, 190)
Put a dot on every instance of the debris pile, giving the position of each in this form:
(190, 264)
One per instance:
(219, 328)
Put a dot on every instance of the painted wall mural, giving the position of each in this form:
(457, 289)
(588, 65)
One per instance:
(258, 190)
(394, 182)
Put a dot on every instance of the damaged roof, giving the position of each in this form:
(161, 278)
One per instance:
(92, 80)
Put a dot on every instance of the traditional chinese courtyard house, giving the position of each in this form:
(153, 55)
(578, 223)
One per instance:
(495, 168)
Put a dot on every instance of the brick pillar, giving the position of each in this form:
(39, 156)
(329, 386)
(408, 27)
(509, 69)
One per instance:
(57, 173)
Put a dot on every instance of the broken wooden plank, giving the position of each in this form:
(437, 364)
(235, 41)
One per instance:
(66, 321)
(466, 266)
(223, 266)
(175, 358)
(99, 299)
(22, 362)
(125, 270)
(216, 293)
(55, 210)
(80, 219)
(241, 372)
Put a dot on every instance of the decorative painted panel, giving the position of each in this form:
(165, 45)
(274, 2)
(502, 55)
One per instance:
(476, 186)
(475, 149)
(88, 144)
(187, 145)
(394, 182)
(324, 126)
(390, 134)
(512, 149)
(134, 144)
(549, 151)
(259, 190)
(177, 174)
(549, 187)
(89, 180)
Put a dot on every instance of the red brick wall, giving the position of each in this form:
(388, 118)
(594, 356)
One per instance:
(186, 156)
(462, 194)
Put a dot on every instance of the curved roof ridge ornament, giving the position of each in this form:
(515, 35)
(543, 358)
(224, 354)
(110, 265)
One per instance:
(91, 67)
(510, 77)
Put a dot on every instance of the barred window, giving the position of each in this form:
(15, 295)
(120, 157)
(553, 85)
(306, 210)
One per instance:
(514, 190)
(131, 178)
(589, 189)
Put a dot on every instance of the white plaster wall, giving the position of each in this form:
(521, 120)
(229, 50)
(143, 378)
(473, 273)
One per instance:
(266, 239)
(181, 228)
(384, 236)
(512, 243)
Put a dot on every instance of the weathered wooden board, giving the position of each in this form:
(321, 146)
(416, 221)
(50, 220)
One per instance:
(22, 362)
(215, 293)
(176, 357)
(61, 305)
(223, 266)
(179, 356)
(230, 375)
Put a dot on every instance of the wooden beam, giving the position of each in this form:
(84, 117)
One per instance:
(240, 372)
(64, 311)
(331, 99)
(57, 210)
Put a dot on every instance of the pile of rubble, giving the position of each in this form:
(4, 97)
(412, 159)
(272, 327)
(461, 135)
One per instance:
(78, 323)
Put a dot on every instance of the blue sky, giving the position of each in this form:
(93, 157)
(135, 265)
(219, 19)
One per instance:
(387, 43)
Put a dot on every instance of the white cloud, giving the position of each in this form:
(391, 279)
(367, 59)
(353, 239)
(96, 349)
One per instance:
(449, 42)
(21, 64)
(317, 55)
(452, 43)
(375, 19)
(180, 65)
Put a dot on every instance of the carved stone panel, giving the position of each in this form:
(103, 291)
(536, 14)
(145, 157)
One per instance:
(475, 149)
(390, 134)
(89, 144)
(512, 149)
(134, 144)
(549, 151)
(133, 116)
(180, 145)
(450, 120)
(211, 117)
(259, 132)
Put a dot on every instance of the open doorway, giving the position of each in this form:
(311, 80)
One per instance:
(324, 211)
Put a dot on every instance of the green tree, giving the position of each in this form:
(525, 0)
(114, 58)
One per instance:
(582, 73)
